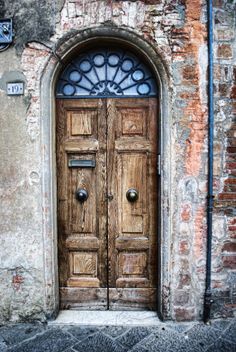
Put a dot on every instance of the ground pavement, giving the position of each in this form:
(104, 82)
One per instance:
(220, 335)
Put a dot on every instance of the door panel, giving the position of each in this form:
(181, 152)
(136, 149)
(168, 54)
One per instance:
(82, 226)
(132, 226)
(107, 244)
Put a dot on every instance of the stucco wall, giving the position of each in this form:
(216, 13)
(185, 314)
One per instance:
(176, 31)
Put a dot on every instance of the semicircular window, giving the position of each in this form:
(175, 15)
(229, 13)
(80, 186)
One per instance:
(106, 73)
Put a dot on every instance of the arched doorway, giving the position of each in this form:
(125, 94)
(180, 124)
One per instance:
(107, 153)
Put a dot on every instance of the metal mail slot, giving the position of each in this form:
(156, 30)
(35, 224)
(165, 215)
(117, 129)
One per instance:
(81, 163)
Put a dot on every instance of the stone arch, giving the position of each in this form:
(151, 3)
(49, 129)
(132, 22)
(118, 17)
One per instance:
(65, 49)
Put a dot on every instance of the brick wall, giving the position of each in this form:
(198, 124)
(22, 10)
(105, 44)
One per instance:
(224, 240)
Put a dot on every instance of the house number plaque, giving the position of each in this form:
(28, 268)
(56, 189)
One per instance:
(16, 88)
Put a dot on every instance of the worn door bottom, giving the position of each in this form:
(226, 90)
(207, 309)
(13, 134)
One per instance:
(101, 318)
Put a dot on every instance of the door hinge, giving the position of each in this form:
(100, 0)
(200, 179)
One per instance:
(159, 164)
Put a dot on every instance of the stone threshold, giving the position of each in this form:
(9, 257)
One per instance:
(108, 318)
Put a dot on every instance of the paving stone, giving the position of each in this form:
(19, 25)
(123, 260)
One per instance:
(230, 333)
(138, 348)
(13, 334)
(53, 340)
(133, 336)
(203, 333)
(170, 340)
(171, 337)
(179, 327)
(161, 339)
(3, 346)
(222, 346)
(114, 331)
(81, 332)
(220, 324)
(162, 343)
(99, 343)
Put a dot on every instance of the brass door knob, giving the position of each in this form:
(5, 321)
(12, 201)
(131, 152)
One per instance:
(81, 195)
(132, 195)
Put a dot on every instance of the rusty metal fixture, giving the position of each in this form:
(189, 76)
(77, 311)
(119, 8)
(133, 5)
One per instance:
(81, 195)
(132, 195)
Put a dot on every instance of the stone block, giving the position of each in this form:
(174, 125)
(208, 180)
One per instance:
(224, 51)
(229, 247)
(184, 314)
(181, 297)
(229, 261)
(184, 280)
(225, 34)
(184, 247)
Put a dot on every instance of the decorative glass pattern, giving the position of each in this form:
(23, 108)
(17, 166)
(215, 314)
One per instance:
(106, 73)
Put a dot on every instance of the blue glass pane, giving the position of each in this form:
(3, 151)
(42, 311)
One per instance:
(144, 89)
(75, 76)
(68, 89)
(99, 60)
(127, 65)
(138, 75)
(113, 59)
(106, 73)
(85, 66)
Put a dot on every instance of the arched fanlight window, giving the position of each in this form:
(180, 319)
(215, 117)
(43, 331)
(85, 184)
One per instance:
(106, 73)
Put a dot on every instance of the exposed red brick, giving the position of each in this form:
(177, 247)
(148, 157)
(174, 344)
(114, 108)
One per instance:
(187, 95)
(152, 2)
(186, 212)
(224, 89)
(233, 92)
(229, 247)
(231, 142)
(183, 247)
(226, 196)
(17, 280)
(183, 314)
(230, 188)
(190, 74)
(224, 51)
(184, 280)
(231, 149)
(229, 261)
(232, 172)
(218, 3)
(231, 166)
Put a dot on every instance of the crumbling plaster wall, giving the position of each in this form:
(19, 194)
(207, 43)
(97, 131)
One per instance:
(176, 29)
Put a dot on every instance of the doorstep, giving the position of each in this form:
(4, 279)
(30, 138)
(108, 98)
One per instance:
(101, 318)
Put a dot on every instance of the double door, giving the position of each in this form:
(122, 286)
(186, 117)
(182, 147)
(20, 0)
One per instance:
(107, 203)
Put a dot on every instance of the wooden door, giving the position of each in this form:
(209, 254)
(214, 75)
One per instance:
(107, 244)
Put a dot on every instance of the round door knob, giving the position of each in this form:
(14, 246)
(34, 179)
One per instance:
(81, 195)
(132, 195)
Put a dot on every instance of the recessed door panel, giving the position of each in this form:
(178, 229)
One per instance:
(132, 176)
(82, 222)
(107, 203)
(132, 222)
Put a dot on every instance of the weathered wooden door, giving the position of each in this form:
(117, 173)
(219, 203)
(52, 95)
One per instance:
(107, 242)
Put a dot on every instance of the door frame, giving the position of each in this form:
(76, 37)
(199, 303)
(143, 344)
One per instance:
(65, 50)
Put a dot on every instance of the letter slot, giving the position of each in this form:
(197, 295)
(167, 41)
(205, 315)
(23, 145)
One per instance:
(81, 163)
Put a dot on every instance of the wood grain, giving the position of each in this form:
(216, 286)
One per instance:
(132, 227)
(82, 226)
(107, 245)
